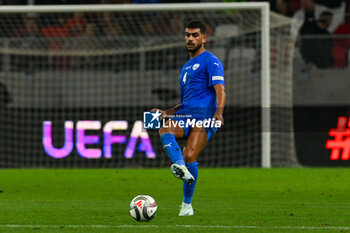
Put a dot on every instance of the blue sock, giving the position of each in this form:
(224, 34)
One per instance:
(189, 189)
(172, 149)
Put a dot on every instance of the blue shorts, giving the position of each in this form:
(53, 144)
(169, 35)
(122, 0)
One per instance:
(211, 131)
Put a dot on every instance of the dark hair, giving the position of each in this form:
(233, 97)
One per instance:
(197, 24)
(325, 15)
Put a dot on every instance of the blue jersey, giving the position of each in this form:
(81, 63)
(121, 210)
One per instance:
(197, 78)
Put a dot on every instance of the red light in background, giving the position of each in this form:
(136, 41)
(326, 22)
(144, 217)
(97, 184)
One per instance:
(340, 145)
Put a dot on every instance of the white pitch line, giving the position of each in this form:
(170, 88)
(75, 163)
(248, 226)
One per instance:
(183, 226)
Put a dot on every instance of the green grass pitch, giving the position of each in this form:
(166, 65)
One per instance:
(226, 200)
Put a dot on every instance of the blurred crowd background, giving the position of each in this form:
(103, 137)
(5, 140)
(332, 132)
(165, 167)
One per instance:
(324, 30)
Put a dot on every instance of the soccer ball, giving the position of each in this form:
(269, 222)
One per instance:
(143, 208)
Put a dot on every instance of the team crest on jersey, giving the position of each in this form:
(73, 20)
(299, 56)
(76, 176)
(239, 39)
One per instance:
(195, 66)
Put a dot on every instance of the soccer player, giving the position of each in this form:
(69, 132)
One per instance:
(202, 97)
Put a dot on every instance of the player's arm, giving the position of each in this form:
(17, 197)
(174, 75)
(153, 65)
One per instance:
(221, 101)
(170, 111)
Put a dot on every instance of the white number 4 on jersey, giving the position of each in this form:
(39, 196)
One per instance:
(184, 77)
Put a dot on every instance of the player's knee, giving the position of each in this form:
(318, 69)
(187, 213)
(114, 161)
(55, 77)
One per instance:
(189, 155)
(163, 131)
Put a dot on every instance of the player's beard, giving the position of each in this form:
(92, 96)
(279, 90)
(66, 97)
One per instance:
(194, 49)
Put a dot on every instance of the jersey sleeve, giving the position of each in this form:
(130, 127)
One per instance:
(182, 94)
(216, 72)
(181, 86)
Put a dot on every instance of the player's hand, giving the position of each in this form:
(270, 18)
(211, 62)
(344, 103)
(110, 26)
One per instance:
(218, 117)
(161, 111)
